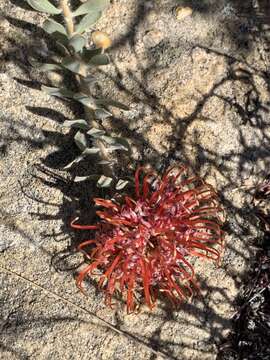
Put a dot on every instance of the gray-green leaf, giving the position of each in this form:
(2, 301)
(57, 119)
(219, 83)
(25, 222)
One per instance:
(100, 60)
(95, 133)
(124, 142)
(72, 64)
(91, 151)
(85, 100)
(102, 114)
(77, 42)
(89, 53)
(104, 182)
(61, 38)
(51, 26)
(84, 178)
(80, 140)
(121, 184)
(45, 6)
(75, 161)
(45, 67)
(90, 80)
(87, 21)
(59, 92)
(105, 162)
(117, 147)
(108, 139)
(116, 143)
(91, 5)
(79, 124)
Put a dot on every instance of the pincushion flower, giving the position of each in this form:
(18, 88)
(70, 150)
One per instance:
(144, 246)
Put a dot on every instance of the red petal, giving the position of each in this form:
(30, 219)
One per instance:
(106, 203)
(83, 227)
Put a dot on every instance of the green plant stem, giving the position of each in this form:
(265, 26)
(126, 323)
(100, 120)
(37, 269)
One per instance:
(81, 308)
(67, 14)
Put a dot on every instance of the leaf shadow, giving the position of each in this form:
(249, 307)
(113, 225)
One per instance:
(76, 196)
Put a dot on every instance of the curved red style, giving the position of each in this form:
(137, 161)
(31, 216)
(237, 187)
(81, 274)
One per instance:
(144, 245)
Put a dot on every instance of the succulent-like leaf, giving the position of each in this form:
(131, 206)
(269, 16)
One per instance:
(59, 92)
(105, 162)
(117, 147)
(62, 41)
(90, 80)
(104, 182)
(116, 143)
(110, 102)
(91, 151)
(91, 5)
(88, 177)
(100, 60)
(51, 26)
(61, 38)
(77, 42)
(72, 64)
(88, 151)
(108, 139)
(121, 184)
(81, 140)
(95, 133)
(102, 114)
(75, 161)
(49, 67)
(124, 142)
(85, 100)
(87, 21)
(78, 124)
(44, 6)
(87, 54)
(45, 67)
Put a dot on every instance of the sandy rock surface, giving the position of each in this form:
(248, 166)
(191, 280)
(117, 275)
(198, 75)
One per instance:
(198, 91)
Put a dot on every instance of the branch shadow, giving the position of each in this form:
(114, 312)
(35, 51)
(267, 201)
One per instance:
(252, 112)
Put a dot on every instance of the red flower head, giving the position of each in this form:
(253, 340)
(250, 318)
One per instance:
(143, 246)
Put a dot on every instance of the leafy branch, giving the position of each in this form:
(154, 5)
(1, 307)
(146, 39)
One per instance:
(91, 137)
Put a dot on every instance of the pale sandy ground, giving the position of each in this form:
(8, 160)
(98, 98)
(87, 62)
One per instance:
(198, 93)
